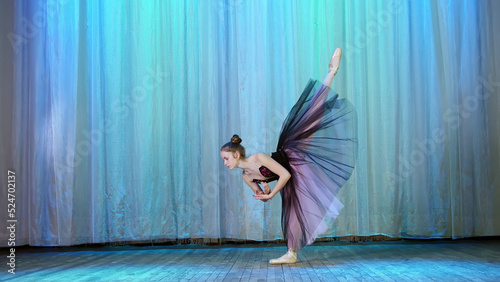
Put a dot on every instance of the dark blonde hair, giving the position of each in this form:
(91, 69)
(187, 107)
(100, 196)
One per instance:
(234, 146)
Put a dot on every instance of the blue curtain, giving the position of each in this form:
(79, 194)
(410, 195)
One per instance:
(120, 109)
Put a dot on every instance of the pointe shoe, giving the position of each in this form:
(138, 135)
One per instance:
(335, 61)
(289, 257)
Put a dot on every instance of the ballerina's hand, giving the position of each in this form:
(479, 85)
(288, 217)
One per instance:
(263, 197)
(260, 192)
(267, 189)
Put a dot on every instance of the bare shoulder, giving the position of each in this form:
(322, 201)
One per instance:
(261, 157)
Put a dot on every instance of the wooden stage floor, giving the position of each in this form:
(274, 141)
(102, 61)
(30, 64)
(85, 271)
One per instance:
(414, 260)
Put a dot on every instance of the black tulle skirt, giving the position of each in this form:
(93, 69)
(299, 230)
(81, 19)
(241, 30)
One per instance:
(318, 146)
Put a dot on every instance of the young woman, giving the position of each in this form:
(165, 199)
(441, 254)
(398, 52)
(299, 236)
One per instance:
(315, 156)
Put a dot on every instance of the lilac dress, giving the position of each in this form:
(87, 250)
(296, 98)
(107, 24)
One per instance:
(318, 146)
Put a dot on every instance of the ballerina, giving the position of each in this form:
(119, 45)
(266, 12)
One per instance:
(315, 156)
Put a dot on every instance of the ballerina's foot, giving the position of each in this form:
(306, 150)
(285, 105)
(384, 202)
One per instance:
(289, 257)
(335, 61)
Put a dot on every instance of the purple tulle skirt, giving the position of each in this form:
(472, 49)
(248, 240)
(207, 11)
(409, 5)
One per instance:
(318, 146)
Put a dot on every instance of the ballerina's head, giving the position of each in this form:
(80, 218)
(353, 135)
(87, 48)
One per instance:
(232, 152)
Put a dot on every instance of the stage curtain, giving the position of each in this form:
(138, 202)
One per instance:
(120, 108)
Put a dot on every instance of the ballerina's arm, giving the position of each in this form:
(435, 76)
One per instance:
(254, 186)
(275, 167)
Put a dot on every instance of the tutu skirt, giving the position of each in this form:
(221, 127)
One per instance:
(318, 146)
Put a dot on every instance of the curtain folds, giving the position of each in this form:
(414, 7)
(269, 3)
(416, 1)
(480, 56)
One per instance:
(120, 109)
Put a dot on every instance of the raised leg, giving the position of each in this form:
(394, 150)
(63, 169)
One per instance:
(322, 93)
(333, 67)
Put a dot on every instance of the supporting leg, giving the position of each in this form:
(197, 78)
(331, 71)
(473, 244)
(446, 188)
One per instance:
(289, 257)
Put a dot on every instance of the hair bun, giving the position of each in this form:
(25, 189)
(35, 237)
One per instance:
(236, 139)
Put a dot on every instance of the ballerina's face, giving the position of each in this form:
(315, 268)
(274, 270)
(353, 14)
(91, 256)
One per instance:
(229, 160)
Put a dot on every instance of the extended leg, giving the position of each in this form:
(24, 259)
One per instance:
(321, 96)
(333, 67)
(322, 93)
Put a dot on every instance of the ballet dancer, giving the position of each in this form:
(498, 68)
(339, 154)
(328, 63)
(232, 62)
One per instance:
(314, 158)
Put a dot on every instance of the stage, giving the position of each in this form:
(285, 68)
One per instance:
(115, 117)
(408, 260)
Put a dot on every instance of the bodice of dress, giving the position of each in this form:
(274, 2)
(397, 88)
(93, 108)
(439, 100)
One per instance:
(264, 171)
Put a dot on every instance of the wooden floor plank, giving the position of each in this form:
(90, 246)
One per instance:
(465, 260)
